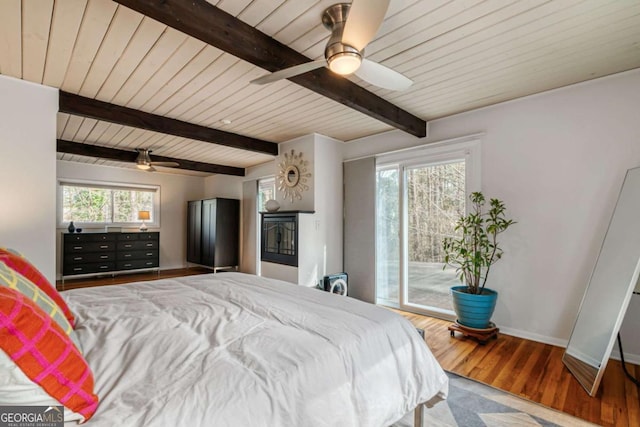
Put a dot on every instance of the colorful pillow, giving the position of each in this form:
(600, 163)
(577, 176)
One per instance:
(19, 263)
(45, 353)
(11, 279)
(16, 389)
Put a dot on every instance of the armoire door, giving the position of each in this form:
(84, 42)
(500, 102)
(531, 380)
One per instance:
(194, 231)
(228, 230)
(209, 218)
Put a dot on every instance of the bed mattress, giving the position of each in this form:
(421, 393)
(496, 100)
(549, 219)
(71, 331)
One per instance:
(232, 349)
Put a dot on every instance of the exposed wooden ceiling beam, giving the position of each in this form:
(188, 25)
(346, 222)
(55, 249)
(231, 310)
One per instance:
(130, 156)
(214, 26)
(99, 110)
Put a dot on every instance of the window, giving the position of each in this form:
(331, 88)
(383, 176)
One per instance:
(266, 191)
(88, 203)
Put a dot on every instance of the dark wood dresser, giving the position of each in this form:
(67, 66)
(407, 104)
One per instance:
(109, 253)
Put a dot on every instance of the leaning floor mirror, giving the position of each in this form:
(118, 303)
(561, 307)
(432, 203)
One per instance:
(607, 297)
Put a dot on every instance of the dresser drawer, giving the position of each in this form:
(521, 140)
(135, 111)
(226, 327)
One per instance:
(128, 236)
(137, 263)
(83, 258)
(88, 237)
(71, 269)
(131, 255)
(137, 245)
(151, 235)
(74, 247)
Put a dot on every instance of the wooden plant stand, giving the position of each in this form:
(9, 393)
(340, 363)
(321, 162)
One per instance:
(480, 335)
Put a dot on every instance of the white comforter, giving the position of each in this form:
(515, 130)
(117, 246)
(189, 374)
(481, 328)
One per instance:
(232, 349)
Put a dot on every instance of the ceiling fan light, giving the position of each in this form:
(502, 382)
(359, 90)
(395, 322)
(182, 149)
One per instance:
(344, 63)
(143, 166)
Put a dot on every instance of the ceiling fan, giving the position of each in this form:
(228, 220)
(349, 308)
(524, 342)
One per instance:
(353, 26)
(143, 161)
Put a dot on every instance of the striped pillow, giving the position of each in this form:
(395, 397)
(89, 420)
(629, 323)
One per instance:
(11, 279)
(44, 352)
(19, 263)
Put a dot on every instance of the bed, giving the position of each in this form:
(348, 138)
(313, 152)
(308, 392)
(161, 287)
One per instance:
(232, 349)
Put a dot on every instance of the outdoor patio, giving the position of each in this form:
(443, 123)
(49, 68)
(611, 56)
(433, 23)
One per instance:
(429, 284)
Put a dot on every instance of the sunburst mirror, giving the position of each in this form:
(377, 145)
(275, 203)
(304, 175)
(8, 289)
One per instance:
(293, 176)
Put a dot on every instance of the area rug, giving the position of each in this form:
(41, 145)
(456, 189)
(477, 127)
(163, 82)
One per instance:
(472, 404)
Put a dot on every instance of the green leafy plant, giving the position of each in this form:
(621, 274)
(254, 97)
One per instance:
(476, 250)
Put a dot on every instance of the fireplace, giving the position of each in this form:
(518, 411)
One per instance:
(279, 237)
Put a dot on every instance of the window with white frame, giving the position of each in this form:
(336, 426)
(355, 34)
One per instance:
(98, 204)
(266, 191)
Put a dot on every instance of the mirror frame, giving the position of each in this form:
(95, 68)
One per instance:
(291, 176)
(587, 375)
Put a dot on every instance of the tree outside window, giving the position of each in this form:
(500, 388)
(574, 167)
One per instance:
(89, 204)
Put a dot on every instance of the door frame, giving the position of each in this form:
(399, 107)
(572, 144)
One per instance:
(467, 148)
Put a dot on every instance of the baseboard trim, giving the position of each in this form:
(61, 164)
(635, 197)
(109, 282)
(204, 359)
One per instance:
(634, 359)
(615, 354)
(534, 337)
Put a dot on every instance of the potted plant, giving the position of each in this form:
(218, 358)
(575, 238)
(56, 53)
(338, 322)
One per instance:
(472, 255)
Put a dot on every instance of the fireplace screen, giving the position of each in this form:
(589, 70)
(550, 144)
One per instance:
(280, 238)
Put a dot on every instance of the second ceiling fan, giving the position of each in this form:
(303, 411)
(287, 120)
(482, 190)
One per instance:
(144, 162)
(353, 26)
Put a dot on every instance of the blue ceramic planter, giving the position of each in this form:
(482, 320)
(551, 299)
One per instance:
(474, 311)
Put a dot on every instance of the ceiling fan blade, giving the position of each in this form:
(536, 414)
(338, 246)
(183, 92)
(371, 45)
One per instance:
(150, 169)
(363, 22)
(290, 72)
(382, 76)
(165, 164)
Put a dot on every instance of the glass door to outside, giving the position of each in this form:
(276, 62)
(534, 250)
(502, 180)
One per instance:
(435, 199)
(418, 203)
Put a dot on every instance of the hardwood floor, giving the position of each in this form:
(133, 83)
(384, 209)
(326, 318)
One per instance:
(534, 371)
(525, 368)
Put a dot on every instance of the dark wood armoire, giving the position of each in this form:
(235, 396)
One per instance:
(213, 232)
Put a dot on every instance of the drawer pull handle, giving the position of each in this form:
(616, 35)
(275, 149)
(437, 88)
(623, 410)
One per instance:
(77, 247)
(104, 256)
(127, 265)
(78, 258)
(77, 269)
(104, 266)
(127, 246)
(150, 263)
(149, 253)
(104, 246)
(149, 245)
(127, 255)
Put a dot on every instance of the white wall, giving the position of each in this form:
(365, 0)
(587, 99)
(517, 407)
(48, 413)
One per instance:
(558, 160)
(226, 186)
(328, 204)
(175, 191)
(28, 172)
(248, 228)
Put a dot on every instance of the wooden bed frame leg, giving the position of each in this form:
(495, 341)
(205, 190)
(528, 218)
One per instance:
(417, 416)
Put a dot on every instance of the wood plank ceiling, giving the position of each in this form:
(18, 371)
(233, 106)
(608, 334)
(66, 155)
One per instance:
(462, 54)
